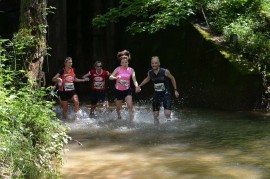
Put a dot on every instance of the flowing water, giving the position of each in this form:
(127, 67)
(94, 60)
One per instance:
(196, 143)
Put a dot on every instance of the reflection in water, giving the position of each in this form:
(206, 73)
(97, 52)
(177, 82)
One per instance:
(195, 144)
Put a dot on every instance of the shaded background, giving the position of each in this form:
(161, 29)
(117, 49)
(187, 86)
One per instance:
(204, 77)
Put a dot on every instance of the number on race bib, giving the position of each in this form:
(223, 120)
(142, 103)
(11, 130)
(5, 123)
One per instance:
(99, 85)
(123, 83)
(159, 87)
(69, 86)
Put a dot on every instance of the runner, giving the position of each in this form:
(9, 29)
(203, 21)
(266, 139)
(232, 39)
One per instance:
(98, 86)
(160, 77)
(66, 90)
(122, 75)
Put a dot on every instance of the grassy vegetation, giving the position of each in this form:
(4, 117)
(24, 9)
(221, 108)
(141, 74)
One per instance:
(31, 137)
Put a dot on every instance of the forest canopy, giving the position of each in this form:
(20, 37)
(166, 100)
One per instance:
(246, 20)
(240, 28)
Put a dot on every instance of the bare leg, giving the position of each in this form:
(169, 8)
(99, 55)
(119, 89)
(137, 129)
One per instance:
(167, 114)
(106, 104)
(75, 100)
(130, 107)
(64, 105)
(93, 107)
(76, 103)
(118, 108)
(156, 115)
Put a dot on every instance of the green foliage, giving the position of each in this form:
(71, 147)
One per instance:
(247, 20)
(31, 137)
(222, 13)
(265, 8)
(18, 52)
(149, 15)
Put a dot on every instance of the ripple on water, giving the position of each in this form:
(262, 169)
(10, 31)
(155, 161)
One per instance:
(195, 144)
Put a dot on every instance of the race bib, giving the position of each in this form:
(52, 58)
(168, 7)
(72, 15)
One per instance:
(69, 86)
(159, 87)
(98, 84)
(123, 83)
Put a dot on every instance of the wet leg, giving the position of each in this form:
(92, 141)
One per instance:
(130, 107)
(64, 105)
(76, 103)
(75, 100)
(106, 104)
(156, 119)
(167, 114)
(118, 108)
(93, 107)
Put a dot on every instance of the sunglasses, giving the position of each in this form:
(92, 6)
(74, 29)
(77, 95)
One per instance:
(99, 66)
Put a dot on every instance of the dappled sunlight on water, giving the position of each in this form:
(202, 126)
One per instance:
(195, 144)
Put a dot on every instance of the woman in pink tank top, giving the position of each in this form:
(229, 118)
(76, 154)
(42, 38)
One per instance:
(123, 75)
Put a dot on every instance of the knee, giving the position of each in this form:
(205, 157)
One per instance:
(76, 103)
(64, 105)
(130, 107)
(156, 113)
(167, 114)
(65, 109)
(118, 106)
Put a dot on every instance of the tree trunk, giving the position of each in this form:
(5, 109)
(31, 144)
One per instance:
(33, 19)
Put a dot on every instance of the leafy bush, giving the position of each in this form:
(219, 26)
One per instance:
(252, 39)
(31, 137)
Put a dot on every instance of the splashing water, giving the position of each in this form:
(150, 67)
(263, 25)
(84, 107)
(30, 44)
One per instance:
(142, 116)
(195, 144)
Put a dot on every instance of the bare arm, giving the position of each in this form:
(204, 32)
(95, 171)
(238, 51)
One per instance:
(137, 88)
(80, 80)
(56, 78)
(112, 76)
(86, 75)
(169, 75)
(134, 79)
(146, 80)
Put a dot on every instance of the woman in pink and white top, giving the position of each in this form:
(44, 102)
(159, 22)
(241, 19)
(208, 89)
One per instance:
(122, 75)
